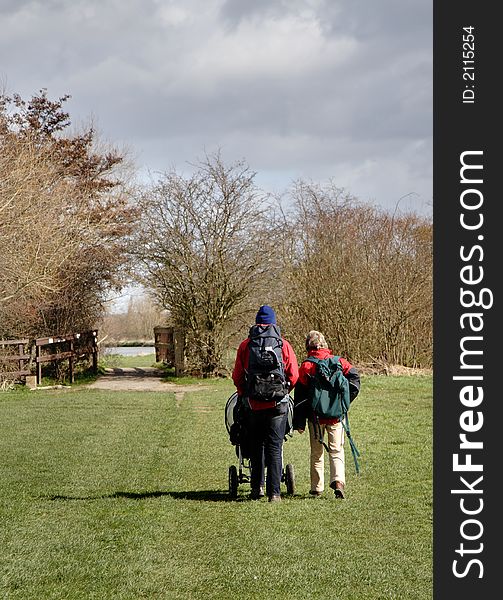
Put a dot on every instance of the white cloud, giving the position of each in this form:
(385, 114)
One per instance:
(285, 48)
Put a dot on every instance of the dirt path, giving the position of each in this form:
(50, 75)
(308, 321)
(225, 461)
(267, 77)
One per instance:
(144, 379)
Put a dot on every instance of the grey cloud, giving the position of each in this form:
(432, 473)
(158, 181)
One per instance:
(166, 79)
(366, 20)
(9, 6)
(233, 12)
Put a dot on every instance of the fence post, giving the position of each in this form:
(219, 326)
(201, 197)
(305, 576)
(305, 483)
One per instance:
(179, 339)
(70, 363)
(95, 352)
(39, 364)
(20, 349)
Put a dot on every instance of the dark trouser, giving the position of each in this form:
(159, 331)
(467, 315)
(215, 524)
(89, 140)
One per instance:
(267, 432)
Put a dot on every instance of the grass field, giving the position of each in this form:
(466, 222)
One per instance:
(124, 495)
(119, 360)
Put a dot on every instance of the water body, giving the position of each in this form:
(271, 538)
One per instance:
(131, 350)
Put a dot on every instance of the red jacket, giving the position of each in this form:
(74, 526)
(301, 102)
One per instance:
(241, 365)
(307, 369)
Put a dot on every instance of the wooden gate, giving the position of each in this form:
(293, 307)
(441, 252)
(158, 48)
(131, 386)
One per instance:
(170, 347)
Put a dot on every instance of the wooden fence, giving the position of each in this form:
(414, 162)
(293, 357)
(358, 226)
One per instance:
(8, 358)
(67, 347)
(55, 349)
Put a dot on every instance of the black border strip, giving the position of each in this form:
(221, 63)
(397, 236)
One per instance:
(466, 120)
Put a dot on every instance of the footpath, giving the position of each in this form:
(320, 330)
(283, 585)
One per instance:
(144, 379)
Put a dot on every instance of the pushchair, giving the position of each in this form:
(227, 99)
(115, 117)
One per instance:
(235, 424)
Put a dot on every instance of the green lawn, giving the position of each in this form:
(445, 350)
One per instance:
(124, 495)
(120, 360)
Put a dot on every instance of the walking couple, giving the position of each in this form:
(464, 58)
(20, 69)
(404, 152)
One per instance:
(265, 373)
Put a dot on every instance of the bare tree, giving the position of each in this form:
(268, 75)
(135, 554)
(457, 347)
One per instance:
(206, 247)
(64, 215)
(36, 234)
(135, 324)
(360, 275)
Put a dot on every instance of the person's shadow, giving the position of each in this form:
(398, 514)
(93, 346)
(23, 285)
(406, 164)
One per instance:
(197, 495)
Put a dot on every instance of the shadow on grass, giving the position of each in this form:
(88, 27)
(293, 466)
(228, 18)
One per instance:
(197, 495)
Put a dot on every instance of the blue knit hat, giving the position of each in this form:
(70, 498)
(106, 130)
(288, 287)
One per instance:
(265, 316)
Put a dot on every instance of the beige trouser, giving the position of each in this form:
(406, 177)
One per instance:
(335, 442)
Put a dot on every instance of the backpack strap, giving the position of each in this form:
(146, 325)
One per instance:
(354, 450)
(317, 361)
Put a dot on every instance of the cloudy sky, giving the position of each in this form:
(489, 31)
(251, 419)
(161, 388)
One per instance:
(314, 89)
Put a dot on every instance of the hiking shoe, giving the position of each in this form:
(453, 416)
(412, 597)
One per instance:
(274, 498)
(256, 494)
(315, 493)
(338, 488)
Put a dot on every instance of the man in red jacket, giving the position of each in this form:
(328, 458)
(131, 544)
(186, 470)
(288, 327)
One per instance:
(317, 347)
(265, 370)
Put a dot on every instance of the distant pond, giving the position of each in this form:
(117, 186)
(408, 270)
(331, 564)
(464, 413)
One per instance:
(130, 350)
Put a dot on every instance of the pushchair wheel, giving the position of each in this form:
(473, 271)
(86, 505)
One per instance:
(233, 481)
(290, 479)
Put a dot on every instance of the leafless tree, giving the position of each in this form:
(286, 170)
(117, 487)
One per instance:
(206, 247)
(135, 324)
(360, 275)
(64, 215)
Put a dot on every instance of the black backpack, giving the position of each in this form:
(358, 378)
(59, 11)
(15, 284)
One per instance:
(265, 376)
